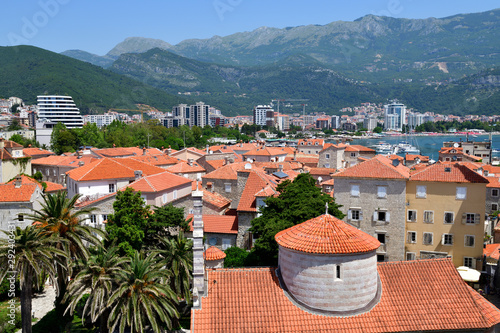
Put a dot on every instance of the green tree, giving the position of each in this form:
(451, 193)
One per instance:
(63, 140)
(14, 125)
(97, 280)
(297, 202)
(161, 222)
(235, 257)
(128, 224)
(58, 218)
(377, 129)
(31, 254)
(142, 300)
(177, 253)
(18, 138)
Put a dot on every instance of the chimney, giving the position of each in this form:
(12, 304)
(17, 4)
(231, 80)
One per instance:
(114, 146)
(208, 148)
(199, 281)
(18, 181)
(295, 155)
(138, 174)
(143, 151)
(226, 160)
(280, 167)
(190, 161)
(2, 143)
(81, 163)
(210, 187)
(169, 150)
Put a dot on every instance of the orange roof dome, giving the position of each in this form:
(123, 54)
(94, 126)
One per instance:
(326, 234)
(214, 253)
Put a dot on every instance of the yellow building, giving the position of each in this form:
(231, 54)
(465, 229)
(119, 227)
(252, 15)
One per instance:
(445, 214)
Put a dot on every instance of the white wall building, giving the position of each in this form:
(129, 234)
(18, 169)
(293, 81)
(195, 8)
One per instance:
(395, 116)
(260, 113)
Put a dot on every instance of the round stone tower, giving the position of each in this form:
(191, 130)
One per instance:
(329, 267)
(214, 257)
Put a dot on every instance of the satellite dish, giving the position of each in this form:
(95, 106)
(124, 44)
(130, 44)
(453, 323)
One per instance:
(248, 166)
(456, 145)
(395, 162)
(454, 158)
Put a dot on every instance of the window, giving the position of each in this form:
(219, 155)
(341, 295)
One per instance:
(428, 216)
(175, 194)
(212, 241)
(227, 188)
(428, 238)
(447, 239)
(411, 256)
(494, 207)
(470, 218)
(327, 156)
(470, 240)
(104, 217)
(354, 214)
(93, 218)
(20, 217)
(354, 190)
(381, 237)
(381, 192)
(337, 272)
(381, 216)
(494, 192)
(449, 217)
(165, 199)
(411, 237)
(353, 154)
(461, 193)
(380, 257)
(412, 216)
(111, 188)
(469, 262)
(421, 191)
(226, 243)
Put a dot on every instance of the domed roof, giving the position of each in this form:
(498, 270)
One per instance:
(326, 234)
(213, 253)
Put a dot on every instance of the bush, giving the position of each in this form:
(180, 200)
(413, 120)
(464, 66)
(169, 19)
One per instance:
(6, 327)
(235, 257)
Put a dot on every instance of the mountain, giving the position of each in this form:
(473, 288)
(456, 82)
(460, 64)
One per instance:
(137, 45)
(102, 61)
(236, 89)
(27, 71)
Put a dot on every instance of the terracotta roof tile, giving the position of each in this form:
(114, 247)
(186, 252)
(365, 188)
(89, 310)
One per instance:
(64, 161)
(493, 182)
(492, 251)
(112, 168)
(184, 167)
(159, 182)
(229, 171)
(417, 296)
(359, 148)
(326, 234)
(311, 142)
(376, 167)
(412, 157)
(213, 253)
(254, 184)
(157, 160)
(321, 171)
(264, 151)
(217, 224)
(9, 192)
(215, 199)
(445, 172)
(36, 151)
(53, 187)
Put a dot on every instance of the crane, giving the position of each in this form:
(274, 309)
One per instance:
(287, 100)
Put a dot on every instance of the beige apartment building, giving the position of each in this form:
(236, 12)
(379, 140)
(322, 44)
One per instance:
(445, 214)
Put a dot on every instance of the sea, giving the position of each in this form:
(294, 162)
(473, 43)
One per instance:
(430, 145)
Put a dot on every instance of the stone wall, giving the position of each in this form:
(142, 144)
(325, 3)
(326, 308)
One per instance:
(9, 213)
(187, 203)
(244, 239)
(368, 203)
(219, 186)
(312, 279)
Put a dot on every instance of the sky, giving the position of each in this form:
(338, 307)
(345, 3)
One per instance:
(97, 26)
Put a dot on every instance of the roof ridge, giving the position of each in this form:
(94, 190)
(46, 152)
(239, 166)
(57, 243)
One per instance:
(93, 167)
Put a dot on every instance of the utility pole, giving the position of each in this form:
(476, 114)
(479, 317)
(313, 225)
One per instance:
(304, 117)
(148, 135)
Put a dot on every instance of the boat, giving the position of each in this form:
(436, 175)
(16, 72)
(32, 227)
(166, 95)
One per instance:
(383, 148)
(405, 147)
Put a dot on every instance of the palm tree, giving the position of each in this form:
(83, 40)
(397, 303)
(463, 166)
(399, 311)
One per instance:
(177, 256)
(142, 299)
(98, 279)
(59, 217)
(31, 254)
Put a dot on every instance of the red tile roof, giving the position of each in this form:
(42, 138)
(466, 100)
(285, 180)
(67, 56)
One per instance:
(310, 142)
(359, 148)
(255, 183)
(215, 199)
(326, 234)
(491, 251)
(303, 159)
(417, 296)
(376, 167)
(9, 192)
(184, 167)
(264, 151)
(213, 253)
(493, 181)
(229, 171)
(112, 168)
(217, 224)
(36, 152)
(126, 152)
(64, 161)
(53, 187)
(159, 182)
(458, 173)
(321, 171)
(412, 157)
(158, 160)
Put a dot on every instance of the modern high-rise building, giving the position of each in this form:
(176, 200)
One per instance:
(263, 115)
(370, 123)
(395, 116)
(199, 115)
(53, 109)
(59, 109)
(415, 119)
(101, 120)
(335, 122)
